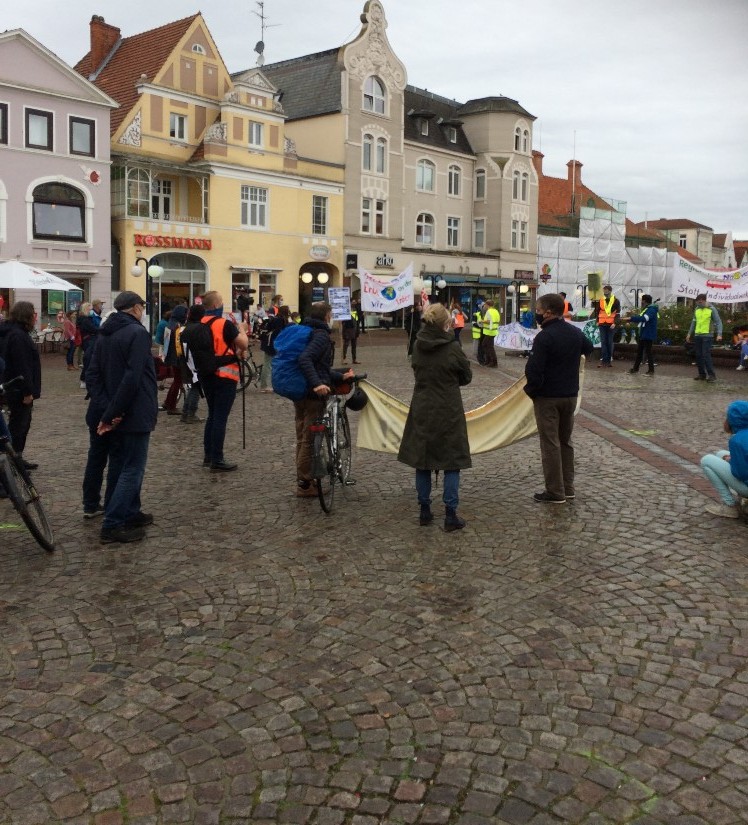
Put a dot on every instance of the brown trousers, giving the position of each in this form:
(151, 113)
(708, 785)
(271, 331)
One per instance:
(307, 412)
(488, 351)
(555, 420)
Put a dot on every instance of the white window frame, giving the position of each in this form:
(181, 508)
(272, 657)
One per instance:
(177, 126)
(425, 220)
(480, 174)
(525, 140)
(254, 207)
(515, 184)
(682, 240)
(455, 180)
(517, 138)
(380, 156)
(452, 134)
(256, 134)
(424, 127)
(525, 185)
(372, 211)
(367, 152)
(479, 233)
(319, 214)
(523, 235)
(515, 234)
(421, 166)
(375, 95)
(162, 193)
(453, 232)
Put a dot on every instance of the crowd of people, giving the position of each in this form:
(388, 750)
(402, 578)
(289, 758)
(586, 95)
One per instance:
(202, 349)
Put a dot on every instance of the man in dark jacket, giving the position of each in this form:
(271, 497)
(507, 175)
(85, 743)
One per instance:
(552, 373)
(121, 381)
(647, 321)
(316, 365)
(21, 358)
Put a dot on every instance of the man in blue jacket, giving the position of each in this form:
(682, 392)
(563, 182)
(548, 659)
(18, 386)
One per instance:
(122, 383)
(552, 373)
(647, 322)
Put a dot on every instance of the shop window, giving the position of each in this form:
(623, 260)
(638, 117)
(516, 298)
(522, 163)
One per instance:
(59, 213)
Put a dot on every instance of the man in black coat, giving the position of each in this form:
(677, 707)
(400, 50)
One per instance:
(21, 358)
(121, 381)
(552, 373)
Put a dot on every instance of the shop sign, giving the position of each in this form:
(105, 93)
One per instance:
(319, 253)
(170, 242)
(385, 261)
(524, 274)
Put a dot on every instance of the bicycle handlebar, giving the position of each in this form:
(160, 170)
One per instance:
(9, 384)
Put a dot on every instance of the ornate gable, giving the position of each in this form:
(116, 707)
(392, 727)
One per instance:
(371, 54)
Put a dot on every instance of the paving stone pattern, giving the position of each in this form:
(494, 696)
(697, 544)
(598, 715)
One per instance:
(257, 661)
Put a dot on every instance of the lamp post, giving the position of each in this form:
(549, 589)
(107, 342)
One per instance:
(637, 291)
(434, 284)
(517, 289)
(582, 292)
(152, 270)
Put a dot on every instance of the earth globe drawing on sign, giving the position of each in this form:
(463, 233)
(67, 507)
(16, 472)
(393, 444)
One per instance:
(389, 293)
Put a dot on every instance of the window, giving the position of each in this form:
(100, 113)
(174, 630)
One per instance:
(517, 139)
(515, 233)
(38, 129)
(682, 239)
(453, 232)
(425, 229)
(452, 134)
(425, 176)
(520, 183)
(198, 49)
(255, 133)
(479, 233)
(374, 95)
(381, 155)
(515, 184)
(319, 215)
(367, 152)
(138, 193)
(525, 140)
(161, 200)
(424, 126)
(523, 188)
(480, 184)
(454, 180)
(59, 213)
(177, 126)
(519, 234)
(82, 136)
(4, 123)
(372, 216)
(254, 207)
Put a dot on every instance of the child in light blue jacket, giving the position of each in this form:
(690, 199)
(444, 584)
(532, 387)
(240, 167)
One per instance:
(727, 470)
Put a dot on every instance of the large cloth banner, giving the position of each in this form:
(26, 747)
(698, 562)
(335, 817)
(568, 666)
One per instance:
(515, 336)
(729, 287)
(386, 296)
(502, 421)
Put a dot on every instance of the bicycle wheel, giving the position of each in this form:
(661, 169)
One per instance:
(324, 469)
(343, 452)
(246, 374)
(25, 499)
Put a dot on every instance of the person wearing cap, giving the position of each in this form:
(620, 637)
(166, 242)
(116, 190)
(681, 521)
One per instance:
(727, 470)
(121, 381)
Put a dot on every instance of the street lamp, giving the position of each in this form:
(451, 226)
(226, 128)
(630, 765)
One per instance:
(582, 292)
(518, 289)
(637, 291)
(152, 270)
(434, 283)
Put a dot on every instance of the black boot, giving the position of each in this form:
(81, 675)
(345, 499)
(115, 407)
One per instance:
(426, 516)
(452, 521)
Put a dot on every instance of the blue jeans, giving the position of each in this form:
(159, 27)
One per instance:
(128, 455)
(99, 447)
(220, 394)
(702, 345)
(4, 431)
(451, 487)
(70, 353)
(606, 342)
(191, 400)
(717, 470)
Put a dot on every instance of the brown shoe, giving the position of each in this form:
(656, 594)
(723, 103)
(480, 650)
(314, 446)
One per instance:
(306, 489)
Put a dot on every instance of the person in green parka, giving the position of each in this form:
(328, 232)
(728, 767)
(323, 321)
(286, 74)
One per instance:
(435, 435)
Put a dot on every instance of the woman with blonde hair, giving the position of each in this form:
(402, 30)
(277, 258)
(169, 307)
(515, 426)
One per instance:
(435, 435)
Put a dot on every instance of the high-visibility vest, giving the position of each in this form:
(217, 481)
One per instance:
(459, 319)
(703, 316)
(477, 318)
(493, 316)
(567, 307)
(606, 314)
(220, 347)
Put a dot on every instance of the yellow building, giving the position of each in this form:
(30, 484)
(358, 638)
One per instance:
(204, 180)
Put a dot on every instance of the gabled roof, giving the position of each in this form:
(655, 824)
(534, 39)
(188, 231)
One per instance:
(674, 223)
(441, 113)
(134, 60)
(310, 84)
(741, 252)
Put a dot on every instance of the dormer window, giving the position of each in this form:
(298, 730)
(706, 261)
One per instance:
(255, 134)
(451, 134)
(424, 127)
(177, 126)
(198, 49)
(374, 95)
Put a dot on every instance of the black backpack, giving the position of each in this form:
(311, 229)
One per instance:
(199, 339)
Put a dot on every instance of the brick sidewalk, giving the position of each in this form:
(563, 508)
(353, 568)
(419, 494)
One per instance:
(257, 661)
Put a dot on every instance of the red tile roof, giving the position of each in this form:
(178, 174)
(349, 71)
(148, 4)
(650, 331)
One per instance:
(674, 223)
(719, 241)
(141, 54)
(741, 252)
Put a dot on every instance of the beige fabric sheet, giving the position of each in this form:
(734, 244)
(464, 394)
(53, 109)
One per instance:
(502, 421)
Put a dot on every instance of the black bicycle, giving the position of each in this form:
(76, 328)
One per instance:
(331, 447)
(249, 372)
(19, 488)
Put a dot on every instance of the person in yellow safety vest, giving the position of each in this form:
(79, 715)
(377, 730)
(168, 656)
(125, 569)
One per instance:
(607, 311)
(490, 327)
(705, 323)
(477, 331)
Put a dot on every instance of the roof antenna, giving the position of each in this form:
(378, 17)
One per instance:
(260, 47)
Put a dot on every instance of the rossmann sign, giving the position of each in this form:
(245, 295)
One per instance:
(170, 242)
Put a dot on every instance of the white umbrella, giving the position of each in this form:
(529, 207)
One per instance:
(15, 275)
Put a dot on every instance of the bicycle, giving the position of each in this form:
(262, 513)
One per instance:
(19, 488)
(249, 372)
(331, 446)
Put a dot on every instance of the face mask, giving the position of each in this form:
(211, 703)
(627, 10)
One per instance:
(539, 318)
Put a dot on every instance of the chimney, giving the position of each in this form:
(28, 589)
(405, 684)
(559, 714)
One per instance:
(537, 162)
(575, 172)
(103, 39)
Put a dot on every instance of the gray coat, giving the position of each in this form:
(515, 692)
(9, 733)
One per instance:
(435, 436)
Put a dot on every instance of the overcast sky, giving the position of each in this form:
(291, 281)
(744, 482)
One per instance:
(656, 91)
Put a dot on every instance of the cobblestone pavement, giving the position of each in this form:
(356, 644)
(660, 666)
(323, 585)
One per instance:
(257, 661)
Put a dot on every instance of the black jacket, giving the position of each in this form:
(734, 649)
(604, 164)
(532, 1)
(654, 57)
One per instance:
(121, 378)
(316, 360)
(552, 370)
(21, 358)
(88, 330)
(275, 324)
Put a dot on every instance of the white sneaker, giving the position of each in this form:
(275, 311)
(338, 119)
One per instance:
(741, 367)
(723, 510)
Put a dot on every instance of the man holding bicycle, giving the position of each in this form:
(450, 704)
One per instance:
(315, 363)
